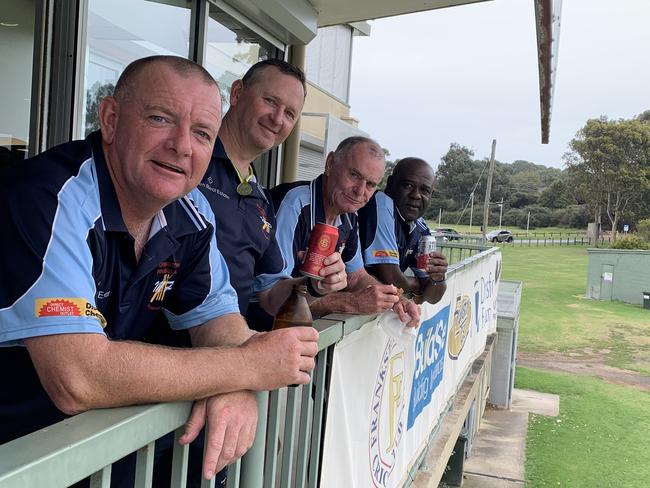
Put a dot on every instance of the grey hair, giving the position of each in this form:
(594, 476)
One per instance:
(346, 145)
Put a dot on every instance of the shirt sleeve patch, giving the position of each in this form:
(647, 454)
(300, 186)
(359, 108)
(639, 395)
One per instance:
(385, 253)
(67, 307)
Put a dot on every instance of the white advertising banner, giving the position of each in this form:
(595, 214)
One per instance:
(390, 385)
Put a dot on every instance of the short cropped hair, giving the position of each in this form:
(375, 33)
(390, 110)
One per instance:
(405, 163)
(182, 66)
(346, 145)
(254, 73)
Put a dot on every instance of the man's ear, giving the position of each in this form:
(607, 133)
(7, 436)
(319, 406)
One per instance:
(108, 114)
(235, 92)
(329, 162)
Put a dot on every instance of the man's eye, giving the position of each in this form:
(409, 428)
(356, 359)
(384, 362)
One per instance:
(203, 135)
(159, 119)
(291, 115)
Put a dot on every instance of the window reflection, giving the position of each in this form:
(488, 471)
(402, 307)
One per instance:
(16, 58)
(118, 32)
(231, 49)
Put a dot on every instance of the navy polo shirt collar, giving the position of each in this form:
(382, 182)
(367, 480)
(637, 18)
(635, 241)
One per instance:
(111, 214)
(317, 213)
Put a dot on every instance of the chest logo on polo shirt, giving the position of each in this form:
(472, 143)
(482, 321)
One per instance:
(160, 288)
(67, 307)
(409, 251)
(266, 225)
(165, 273)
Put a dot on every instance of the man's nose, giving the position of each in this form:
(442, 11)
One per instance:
(180, 140)
(277, 115)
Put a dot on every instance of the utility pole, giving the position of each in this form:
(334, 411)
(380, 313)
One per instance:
(471, 213)
(500, 211)
(528, 223)
(488, 189)
(439, 215)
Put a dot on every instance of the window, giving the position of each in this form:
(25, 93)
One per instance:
(231, 49)
(16, 59)
(117, 33)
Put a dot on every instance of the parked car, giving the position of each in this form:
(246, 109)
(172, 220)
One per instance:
(448, 233)
(500, 235)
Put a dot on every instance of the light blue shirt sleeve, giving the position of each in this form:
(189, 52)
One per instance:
(383, 249)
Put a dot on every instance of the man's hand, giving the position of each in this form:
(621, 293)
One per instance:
(334, 275)
(375, 298)
(408, 312)
(437, 266)
(232, 421)
(281, 357)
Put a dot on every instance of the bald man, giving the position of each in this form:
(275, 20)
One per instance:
(391, 226)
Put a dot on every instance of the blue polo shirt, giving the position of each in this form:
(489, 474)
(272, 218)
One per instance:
(300, 206)
(245, 224)
(386, 238)
(68, 266)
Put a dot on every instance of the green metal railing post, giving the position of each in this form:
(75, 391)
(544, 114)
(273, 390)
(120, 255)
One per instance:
(252, 471)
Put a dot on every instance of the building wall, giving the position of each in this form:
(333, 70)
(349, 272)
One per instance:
(620, 274)
(328, 60)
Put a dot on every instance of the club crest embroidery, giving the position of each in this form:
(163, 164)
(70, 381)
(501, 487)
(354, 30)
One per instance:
(165, 273)
(266, 225)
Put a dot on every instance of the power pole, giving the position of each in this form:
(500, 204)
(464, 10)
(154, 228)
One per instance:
(439, 215)
(488, 189)
(500, 211)
(471, 214)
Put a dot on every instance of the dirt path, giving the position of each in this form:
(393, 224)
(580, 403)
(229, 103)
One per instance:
(590, 363)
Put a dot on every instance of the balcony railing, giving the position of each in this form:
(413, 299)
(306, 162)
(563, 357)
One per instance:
(86, 445)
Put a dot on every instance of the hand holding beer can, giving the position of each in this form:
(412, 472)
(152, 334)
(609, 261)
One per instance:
(322, 243)
(426, 245)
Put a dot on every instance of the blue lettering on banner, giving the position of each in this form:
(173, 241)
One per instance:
(429, 362)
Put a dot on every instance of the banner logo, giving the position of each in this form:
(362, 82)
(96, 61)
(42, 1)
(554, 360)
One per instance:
(387, 406)
(429, 362)
(461, 325)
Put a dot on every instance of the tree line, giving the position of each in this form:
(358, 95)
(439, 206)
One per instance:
(606, 178)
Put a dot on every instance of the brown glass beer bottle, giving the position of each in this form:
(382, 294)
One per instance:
(295, 310)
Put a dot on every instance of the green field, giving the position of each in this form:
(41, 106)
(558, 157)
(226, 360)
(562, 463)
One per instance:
(555, 316)
(600, 439)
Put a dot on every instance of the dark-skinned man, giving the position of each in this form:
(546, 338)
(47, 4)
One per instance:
(391, 225)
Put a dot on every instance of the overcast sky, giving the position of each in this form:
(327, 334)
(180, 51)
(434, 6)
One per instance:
(469, 74)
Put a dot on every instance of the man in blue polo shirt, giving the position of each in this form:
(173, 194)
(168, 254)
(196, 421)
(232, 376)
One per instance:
(351, 175)
(391, 225)
(264, 107)
(99, 239)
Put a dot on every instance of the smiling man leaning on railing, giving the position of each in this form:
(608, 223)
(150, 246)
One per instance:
(100, 238)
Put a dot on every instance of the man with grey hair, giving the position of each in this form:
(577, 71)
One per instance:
(351, 175)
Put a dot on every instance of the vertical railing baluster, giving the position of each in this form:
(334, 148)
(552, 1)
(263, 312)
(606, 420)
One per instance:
(102, 478)
(234, 475)
(144, 466)
(317, 422)
(180, 459)
(252, 471)
(306, 409)
(272, 439)
(289, 437)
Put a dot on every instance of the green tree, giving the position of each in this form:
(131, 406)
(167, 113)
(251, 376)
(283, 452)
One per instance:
(609, 164)
(457, 175)
(94, 95)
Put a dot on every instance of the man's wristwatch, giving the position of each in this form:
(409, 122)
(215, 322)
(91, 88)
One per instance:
(437, 282)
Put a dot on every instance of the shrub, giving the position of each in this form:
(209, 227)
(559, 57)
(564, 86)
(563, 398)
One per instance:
(631, 241)
(643, 228)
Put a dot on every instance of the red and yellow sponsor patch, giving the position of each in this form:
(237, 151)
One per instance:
(385, 253)
(67, 307)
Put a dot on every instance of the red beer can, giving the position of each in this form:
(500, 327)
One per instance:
(426, 245)
(322, 243)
